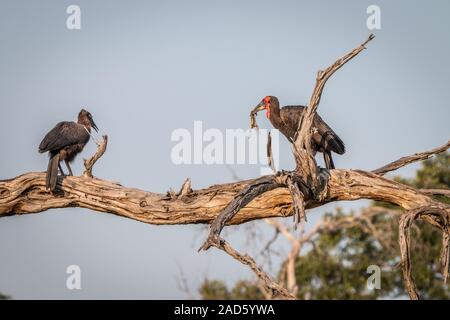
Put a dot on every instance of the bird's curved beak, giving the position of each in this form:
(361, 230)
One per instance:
(261, 106)
(94, 125)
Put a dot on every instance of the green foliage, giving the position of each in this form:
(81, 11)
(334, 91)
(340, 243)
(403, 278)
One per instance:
(246, 290)
(335, 268)
(214, 290)
(4, 296)
(435, 173)
(335, 265)
(217, 290)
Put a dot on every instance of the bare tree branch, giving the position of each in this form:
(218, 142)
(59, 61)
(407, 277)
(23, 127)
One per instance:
(183, 284)
(306, 164)
(288, 268)
(410, 159)
(27, 194)
(89, 164)
(445, 256)
(297, 200)
(246, 195)
(405, 222)
(269, 152)
(276, 289)
(436, 192)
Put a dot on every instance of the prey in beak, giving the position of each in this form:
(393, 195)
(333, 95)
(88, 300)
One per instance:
(263, 105)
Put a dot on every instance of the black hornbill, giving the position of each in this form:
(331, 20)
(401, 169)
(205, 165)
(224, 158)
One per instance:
(64, 142)
(286, 120)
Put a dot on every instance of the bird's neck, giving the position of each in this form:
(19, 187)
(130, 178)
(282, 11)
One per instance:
(275, 117)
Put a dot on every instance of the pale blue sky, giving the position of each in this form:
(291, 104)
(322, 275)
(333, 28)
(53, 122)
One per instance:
(145, 68)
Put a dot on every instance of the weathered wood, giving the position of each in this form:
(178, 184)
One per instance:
(27, 194)
(89, 163)
(438, 214)
(410, 159)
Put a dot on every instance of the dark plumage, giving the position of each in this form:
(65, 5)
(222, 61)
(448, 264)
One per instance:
(64, 142)
(287, 119)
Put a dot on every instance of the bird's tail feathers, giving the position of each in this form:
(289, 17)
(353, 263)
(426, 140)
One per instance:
(52, 171)
(333, 142)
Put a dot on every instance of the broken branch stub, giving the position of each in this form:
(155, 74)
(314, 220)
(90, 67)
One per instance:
(89, 163)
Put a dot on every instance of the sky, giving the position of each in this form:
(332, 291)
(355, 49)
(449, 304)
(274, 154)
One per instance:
(147, 68)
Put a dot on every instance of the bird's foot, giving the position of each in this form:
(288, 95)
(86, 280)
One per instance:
(64, 174)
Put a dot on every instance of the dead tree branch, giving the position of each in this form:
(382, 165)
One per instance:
(436, 192)
(306, 164)
(410, 159)
(296, 245)
(26, 194)
(405, 222)
(276, 290)
(89, 163)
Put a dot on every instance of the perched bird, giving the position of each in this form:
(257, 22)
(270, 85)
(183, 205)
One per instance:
(286, 120)
(64, 142)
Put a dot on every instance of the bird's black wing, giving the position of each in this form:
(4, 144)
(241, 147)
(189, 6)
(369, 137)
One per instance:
(63, 134)
(290, 116)
(329, 140)
(325, 138)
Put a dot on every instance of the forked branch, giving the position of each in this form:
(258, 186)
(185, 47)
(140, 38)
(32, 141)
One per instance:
(276, 290)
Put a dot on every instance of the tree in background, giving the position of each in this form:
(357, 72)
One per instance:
(242, 290)
(337, 252)
(4, 297)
